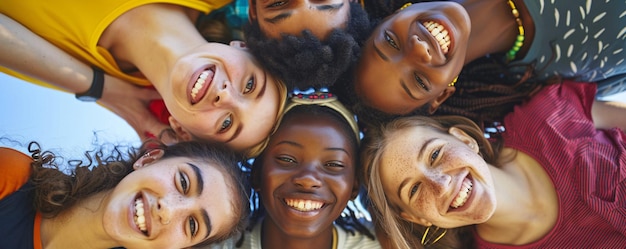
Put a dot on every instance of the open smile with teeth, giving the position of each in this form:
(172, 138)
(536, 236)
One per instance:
(441, 34)
(206, 76)
(463, 195)
(140, 219)
(304, 205)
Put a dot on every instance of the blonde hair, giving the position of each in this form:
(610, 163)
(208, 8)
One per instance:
(257, 149)
(405, 234)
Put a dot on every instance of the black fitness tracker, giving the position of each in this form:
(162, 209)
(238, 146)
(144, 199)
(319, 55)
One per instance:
(95, 91)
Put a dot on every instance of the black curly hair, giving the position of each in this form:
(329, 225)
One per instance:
(306, 61)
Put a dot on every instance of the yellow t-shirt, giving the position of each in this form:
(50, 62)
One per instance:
(76, 26)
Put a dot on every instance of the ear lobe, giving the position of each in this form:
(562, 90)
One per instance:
(434, 105)
(148, 158)
(416, 220)
(467, 139)
(180, 132)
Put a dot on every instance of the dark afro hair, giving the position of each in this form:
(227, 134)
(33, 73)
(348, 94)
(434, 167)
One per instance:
(306, 61)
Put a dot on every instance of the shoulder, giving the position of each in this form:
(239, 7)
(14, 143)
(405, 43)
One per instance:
(14, 170)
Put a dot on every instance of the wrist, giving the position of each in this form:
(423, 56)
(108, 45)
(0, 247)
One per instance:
(94, 92)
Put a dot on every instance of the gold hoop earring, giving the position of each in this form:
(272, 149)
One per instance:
(427, 240)
(453, 81)
(405, 5)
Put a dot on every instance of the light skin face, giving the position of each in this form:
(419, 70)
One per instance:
(403, 66)
(426, 174)
(294, 16)
(237, 104)
(182, 198)
(307, 160)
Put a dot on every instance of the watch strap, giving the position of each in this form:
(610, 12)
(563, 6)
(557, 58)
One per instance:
(97, 85)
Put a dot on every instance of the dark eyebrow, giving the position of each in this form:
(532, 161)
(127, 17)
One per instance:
(281, 17)
(290, 143)
(200, 187)
(406, 89)
(419, 155)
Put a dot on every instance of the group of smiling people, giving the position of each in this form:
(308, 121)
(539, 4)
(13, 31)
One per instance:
(458, 124)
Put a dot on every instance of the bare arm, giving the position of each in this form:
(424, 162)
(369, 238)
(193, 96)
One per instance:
(25, 52)
(609, 114)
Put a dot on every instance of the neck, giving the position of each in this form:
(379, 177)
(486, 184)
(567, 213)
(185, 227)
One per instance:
(493, 27)
(527, 205)
(273, 237)
(153, 38)
(83, 219)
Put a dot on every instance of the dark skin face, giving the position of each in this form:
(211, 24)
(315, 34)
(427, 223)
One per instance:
(412, 57)
(306, 181)
(277, 17)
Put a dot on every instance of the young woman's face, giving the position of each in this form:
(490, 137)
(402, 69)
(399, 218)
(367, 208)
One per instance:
(294, 16)
(412, 56)
(307, 176)
(437, 178)
(170, 203)
(220, 93)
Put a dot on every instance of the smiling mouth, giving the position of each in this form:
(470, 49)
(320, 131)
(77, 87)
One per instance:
(463, 195)
(304, 205)
(441, 34)
(203, 81)
(140, 218)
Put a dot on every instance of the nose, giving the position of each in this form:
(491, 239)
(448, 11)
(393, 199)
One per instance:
(307, 178)
(167, 208)
(226, 95)
(419, 50)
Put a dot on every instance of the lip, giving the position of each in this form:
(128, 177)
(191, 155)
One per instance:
(456, 192)
(432, 41)
(147, 215)
(192, 81)
(313, 214)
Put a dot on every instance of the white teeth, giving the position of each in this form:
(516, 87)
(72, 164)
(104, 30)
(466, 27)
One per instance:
(140, 219)
(199, 84)
(440, 33)
(304, 205)
(463, 195)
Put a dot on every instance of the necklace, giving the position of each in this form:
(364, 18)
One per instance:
(519, 42)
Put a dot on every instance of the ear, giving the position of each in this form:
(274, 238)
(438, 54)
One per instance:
(238, 44)
(148, 158)
(180, 132)
(252, 10)
(467, 139)
(416, 220)
(434, 104)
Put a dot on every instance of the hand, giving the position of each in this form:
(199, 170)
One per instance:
(130, 102)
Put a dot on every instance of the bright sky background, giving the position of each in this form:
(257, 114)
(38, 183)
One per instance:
(61, 123)
(57, 120)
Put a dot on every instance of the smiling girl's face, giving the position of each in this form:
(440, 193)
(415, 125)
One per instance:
(308, 174)
(437, 178)
(412, 56)
(170, 203)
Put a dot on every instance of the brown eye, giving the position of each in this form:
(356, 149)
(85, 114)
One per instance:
(390, 40)
(184, 184)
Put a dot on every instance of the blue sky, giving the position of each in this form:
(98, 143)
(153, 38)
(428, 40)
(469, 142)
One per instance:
(61, 123)
(56, 120)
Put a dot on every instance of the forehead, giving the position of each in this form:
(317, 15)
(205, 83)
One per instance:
(218, 198)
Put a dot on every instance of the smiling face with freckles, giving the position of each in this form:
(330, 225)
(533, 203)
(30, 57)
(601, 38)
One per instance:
(307, 175)
(437, 178)
(169, 203)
